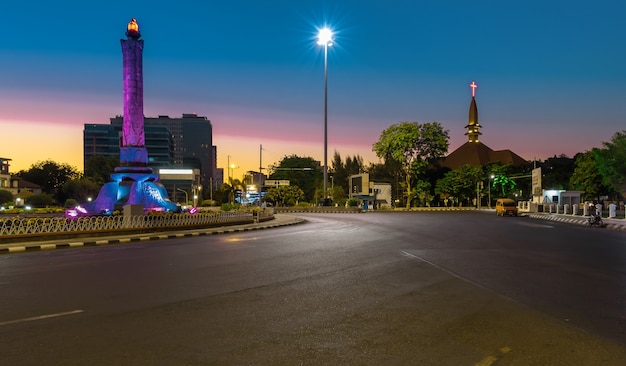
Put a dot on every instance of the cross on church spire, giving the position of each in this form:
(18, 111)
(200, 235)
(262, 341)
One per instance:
(473, 86)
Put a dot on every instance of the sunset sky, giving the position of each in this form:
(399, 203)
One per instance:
(551, 75)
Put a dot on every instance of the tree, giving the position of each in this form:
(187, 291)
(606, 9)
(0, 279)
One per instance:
(586, 176)
(338, 194)
(338, 171)
(222, 194)
(495, 169)
(303, 172)
(421, 191)
(505, 183)
(236, 188)
(79, 189)
(413, 145)
(99, 168)
(611, 162)
(460, 183)
(5, 197)
(557, 171)
(342, 171)
(284, 195)
(354, 165)
(51, 176)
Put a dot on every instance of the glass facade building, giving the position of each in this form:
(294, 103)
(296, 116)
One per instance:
(185, 142)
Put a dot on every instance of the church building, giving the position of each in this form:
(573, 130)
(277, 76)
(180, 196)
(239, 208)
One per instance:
(474, 152)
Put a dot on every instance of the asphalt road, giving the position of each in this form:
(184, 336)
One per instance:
(454, 288)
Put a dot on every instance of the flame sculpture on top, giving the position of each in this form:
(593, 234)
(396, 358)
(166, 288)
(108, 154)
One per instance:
(133, 181)
(132, 30)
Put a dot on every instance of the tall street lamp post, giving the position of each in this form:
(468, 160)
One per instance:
(490, 179)
(325, 38)
(186, 195)
(197, 189)
(232, 168)
(228, 167)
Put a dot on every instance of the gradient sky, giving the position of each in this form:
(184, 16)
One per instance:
(551, 75)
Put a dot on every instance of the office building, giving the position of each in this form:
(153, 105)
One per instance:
(188, 144)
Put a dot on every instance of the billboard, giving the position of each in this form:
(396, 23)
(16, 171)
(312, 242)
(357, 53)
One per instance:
(274, 183)
(536, 182)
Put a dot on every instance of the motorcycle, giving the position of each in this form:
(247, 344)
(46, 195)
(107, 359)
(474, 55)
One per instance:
(595, 220)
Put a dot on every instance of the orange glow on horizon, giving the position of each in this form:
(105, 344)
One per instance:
(57, 142)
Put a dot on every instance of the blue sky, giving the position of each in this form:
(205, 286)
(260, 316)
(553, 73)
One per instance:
(551, 74)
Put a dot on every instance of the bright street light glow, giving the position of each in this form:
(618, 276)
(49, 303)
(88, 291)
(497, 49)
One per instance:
(325, 37)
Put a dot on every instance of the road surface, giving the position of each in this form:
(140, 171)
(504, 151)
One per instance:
(454, 288)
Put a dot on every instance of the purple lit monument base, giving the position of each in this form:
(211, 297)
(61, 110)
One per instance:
(130, 186)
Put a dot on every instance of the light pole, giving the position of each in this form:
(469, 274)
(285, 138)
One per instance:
(186, 195)
(332, 187)
(232, 172)
(325, 38)
(196, 193)
(229, 179)
(490, 179)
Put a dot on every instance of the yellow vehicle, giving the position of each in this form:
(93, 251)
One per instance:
(505, 206)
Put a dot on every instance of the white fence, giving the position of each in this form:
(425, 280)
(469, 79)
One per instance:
(33, 226)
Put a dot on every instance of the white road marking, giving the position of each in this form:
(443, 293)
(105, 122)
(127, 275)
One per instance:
(407, 254)
(41, 317)
(536, 225)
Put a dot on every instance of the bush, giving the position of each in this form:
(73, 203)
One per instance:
(70, 203)
(303, 204)
(6, 197)
(40, 200)
(352, 202)
(229, 207)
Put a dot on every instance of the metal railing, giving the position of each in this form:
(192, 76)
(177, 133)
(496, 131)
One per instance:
(33, 226)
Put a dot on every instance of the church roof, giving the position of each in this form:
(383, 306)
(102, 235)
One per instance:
(479, 154)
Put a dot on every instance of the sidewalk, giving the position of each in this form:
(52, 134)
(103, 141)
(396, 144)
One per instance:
(613, 224)
(36, 245)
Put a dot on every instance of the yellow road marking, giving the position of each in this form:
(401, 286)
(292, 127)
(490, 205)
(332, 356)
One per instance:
(488, 361)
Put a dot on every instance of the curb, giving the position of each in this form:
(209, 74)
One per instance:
(95, 243)
(575, 220)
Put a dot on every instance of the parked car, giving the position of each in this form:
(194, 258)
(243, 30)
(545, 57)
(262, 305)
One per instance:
(506, 206)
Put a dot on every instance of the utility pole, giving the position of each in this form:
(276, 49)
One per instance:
(261, 159)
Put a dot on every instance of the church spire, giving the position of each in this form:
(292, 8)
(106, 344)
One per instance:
(473, 128)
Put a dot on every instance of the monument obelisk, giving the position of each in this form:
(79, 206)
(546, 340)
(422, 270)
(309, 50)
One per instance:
(133, 152)
(137, 185)
(134, 184)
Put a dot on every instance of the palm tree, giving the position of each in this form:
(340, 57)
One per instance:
(505, 183)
